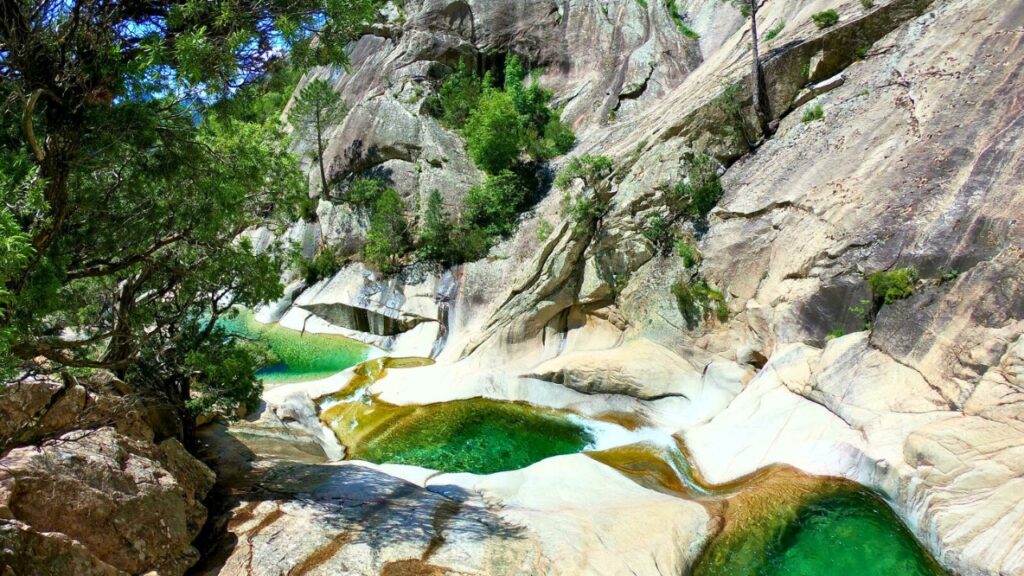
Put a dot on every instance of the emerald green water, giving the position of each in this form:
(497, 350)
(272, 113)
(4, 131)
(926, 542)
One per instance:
(477, 435)
(847, 531)
(302, 356)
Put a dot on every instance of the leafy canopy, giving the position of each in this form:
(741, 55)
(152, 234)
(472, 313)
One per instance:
(138, 145)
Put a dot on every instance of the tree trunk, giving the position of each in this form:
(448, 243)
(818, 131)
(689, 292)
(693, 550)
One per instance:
(758, 88)
(320, 155)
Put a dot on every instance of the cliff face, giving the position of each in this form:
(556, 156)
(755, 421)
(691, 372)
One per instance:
(916, 163)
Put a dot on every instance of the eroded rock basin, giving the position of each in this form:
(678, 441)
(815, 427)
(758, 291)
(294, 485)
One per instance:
(528, 489)
(302, 355)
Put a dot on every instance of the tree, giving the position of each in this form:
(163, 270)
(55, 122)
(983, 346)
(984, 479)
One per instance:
(387, 240)
(494, 205)
(317, 108)
(758, 87)
(494, 132)
(435, 233)
(134, 183)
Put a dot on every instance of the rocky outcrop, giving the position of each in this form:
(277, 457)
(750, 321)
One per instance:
(93, 494)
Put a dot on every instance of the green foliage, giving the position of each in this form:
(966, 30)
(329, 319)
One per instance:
(642, 3)
(860, 52)
(835, 333)
(152, 144)
(813, 114)
(863, 311)
(544, 230)
(583, 210)
(889, 286)
(494, 206)
(867, 4)
(697, 301)
(948, 274)
(825, 18)
(775, 31)
(729, 106)
(364, 192)
(688, 251)
(589, 169)
(700, 191)
(387, 241)
(495, 134)
(506, 124)
(224, 373)
(325, 264)
(458, 96)
(435, 231)
(658, 231)
(679, 21)
(317, 108)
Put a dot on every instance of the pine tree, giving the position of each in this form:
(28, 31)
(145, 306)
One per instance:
(435, 239)
(317, 109)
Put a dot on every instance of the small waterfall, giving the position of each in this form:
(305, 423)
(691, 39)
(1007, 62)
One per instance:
(446, 296)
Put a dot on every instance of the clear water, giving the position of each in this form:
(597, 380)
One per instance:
(477, 435)
(844, 531)
(302, 356)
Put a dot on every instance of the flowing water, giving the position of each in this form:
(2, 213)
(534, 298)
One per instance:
(302, 355)
(777, 522)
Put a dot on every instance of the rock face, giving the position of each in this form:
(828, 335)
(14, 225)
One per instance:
(95, 495)
(915, 163)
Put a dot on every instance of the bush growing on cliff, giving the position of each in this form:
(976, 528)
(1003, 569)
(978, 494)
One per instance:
(495, 132)
(700, 191)
(501, 125)
(889, 286)
(697, 301)
(364, 192)
(387, 240)
(589, 169)
(458, 96)
(826, 18)
(813, 114)
(658, 231)
(688, 251)
(494, 206)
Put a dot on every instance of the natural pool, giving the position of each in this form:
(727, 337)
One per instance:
(476, 435)
(794, 525)
(303, 356)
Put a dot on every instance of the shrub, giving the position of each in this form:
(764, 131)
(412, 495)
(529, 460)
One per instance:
(699, 193)
(494, 132)
(658, 231)
(544, 230)
(459, 95)
(503, 124)
(867, 4)
(863, 312)
(680, 22)
(494, 205)
(324, 264)
(826, 18)
(696, 301)
(583, 210)
(889, 286)
(688, 252)
(387, 239)
(364, 192)
(812, 114)
(469, 243)
(775, 31)
(835, 333)
(590, 169)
